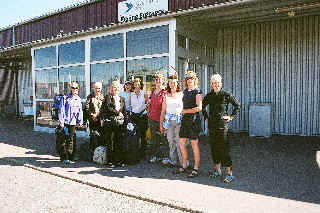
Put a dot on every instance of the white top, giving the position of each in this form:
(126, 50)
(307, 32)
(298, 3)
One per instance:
(117, 102)
(174, 104)
(138, 102)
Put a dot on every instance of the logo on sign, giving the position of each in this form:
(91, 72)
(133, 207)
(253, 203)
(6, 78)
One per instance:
(129, 6)
(132, 10)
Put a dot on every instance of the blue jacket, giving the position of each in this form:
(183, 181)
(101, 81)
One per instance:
(70, 110)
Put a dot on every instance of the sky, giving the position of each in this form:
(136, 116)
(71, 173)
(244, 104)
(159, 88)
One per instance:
(14, 11)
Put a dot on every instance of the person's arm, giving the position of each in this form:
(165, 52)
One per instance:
(196, 109)
(205, 103)
(148, 102)
(109, 108)
(80, 116)
(163, 113)
(236, 106)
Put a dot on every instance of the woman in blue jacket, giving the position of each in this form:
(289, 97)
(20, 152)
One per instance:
(70, 115)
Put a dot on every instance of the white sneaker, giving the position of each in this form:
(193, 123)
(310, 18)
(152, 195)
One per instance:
(153, 159)
(165, 161)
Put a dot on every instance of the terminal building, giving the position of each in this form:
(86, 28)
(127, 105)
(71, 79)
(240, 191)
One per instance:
(266, 50)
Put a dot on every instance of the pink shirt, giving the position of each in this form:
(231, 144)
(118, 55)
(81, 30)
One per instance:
(156, 104)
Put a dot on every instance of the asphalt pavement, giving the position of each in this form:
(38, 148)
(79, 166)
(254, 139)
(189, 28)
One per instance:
(276, 174)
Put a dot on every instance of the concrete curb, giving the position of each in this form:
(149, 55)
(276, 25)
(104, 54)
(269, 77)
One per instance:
(109, 189)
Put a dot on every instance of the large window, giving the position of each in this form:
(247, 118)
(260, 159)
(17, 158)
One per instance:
(46, 83)
(146, 68)
(69, 74)
(107, 47)
(148, 41)
(71, 53)
(45, 57)
(105, 73)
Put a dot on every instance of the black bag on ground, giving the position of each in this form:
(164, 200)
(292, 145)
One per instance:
(132, 144)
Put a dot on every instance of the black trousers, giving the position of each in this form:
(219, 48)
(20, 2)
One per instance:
(69, 146)
(114, 139)
(142, 123)
(96, 132)
(220, 149)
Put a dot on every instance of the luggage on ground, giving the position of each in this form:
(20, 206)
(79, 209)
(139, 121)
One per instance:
(100, 155)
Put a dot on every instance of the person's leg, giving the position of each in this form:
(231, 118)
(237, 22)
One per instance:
(196, 153)
(172, 143)
(184, 152)
(155, 141)
(70, 142)
(177, 144)
(118, 146)
(226, 158)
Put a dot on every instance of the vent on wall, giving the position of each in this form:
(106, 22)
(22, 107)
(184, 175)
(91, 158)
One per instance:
(260, 119)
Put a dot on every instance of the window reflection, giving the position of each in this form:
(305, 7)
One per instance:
(107, 47)
(146, 68)
(45, 57)
(148, 41)
(43, 115)
(69, 74)
(105, 73)
(71, 53)
(46, 83)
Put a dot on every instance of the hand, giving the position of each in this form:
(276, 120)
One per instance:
(227, 118)
(62, 126)
(162, 130)
(120, 114)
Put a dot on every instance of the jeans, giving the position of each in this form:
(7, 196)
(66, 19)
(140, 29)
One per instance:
(174, 142)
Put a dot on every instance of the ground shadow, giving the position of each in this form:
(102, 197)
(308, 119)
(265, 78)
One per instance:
(280, 166)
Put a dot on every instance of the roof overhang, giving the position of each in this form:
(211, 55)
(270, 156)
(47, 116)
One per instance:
(215, 15)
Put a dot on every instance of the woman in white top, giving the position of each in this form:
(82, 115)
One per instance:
(139, 101)
(170, 118)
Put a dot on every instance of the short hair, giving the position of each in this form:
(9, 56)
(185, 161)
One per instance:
(216, 77)
(75, 84)
(97, 85)
(115, 83)
(191, 74)
(179, 86)
(138, 80)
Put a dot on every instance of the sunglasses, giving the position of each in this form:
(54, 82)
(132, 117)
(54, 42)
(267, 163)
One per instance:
(187, 78)
(74, 88)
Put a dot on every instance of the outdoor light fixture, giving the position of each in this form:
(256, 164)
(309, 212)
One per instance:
(291, 9)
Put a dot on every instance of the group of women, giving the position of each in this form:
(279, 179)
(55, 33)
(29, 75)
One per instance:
(168, 111)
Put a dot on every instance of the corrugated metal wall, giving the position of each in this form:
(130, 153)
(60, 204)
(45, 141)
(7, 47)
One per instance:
(276, 62)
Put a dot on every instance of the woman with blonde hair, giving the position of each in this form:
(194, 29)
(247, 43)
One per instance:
(190, 123)
(170, 119)
(113, 109)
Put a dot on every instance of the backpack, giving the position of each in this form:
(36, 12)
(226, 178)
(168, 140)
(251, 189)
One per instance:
(55, 107)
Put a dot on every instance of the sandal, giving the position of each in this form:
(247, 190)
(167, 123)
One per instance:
(194, 173)
(181, 170)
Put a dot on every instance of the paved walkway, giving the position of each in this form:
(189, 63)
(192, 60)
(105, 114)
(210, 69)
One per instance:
(278, 174)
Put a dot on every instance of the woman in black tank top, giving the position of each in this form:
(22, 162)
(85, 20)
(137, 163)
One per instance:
(190, 124)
